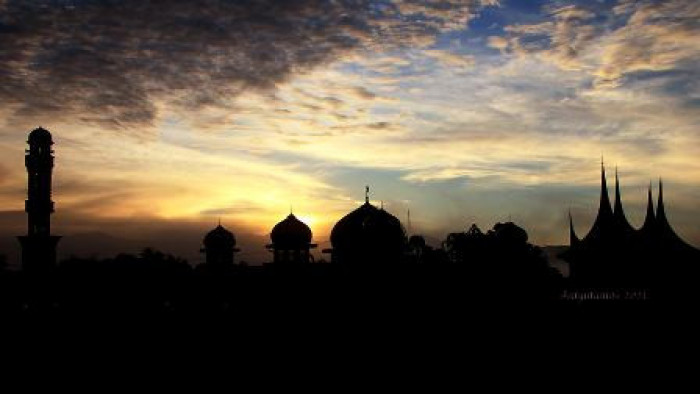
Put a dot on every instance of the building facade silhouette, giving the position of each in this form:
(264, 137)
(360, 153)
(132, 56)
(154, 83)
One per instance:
(39, 246)
(291, 242)
(613, 251)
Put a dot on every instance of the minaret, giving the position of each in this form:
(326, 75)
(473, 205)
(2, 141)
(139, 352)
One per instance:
(39, 246)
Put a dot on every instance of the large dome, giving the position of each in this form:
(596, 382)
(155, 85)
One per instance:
(367, 227)
(291, 232)
(219, 237)
(40, 136)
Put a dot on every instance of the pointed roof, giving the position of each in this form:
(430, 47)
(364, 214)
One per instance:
(650, 218)
(604, 221)
(664, 230)
(660, 210)
(573, 238)
(604, 207)
(619, 214)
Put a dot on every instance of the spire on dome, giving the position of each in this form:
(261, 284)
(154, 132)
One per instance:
(367, 194)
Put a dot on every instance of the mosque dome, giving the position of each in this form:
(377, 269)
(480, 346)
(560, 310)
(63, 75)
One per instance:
(219, 237)
(40, 136)
(291, 232)
(367, 226)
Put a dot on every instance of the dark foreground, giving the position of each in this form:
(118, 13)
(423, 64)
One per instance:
(313, 293)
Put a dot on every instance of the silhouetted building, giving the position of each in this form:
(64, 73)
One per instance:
(368, 235)
(219, 247)
(291, 241)
(614, 252)
(39, 246)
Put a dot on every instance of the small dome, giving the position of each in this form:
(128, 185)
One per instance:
(291, 232)
(219, 237)
(40, 136)
(367, 225)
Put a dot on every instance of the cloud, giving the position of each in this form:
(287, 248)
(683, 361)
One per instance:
(560, 40)
(115, 62)
(498, 42)
(641, 36)
(658, 36)
(449, 59)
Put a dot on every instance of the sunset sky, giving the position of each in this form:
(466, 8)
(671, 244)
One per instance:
(171, 115)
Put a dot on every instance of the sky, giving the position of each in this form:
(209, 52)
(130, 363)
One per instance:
(169, 116)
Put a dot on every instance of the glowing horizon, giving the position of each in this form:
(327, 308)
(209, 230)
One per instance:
(461, 111)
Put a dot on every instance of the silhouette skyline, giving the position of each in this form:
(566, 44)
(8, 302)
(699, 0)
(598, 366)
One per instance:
(371, 237)
(374, 265)
(171, 118)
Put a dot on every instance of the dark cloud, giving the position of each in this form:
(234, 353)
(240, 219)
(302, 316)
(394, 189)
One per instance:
(110, 61)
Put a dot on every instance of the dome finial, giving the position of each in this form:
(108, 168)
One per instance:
(367, 194)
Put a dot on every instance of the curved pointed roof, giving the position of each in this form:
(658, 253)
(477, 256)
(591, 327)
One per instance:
(604, 221)
(573, 238)
(664, 230)
(619, 214)
(650, 218)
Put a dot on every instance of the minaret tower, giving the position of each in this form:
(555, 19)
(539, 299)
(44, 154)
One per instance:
(39, 246)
